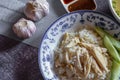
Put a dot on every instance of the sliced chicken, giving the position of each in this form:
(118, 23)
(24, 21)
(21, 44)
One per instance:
(96, 52)
(100, 58)
(79, 61)
(67, 58)
(95, 67)
(73, 42)
(86, 63)
(69, 41)
(88, 67)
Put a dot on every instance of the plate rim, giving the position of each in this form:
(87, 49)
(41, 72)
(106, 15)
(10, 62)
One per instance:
(64, 15)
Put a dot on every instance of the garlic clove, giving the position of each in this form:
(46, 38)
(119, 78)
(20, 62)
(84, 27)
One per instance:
(24, 28)
(37, 9)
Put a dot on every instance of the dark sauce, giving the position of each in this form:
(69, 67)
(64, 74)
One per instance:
(67, 1)
(82, 5)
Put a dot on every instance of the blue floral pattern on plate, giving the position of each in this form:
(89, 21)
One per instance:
(66, 23)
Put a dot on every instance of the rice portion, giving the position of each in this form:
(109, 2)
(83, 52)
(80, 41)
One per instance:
(82, 56)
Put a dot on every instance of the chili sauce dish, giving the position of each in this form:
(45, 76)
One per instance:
(81, 45)
(73, 5)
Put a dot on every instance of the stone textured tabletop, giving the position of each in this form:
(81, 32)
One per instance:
(12, 10)
(19, 61)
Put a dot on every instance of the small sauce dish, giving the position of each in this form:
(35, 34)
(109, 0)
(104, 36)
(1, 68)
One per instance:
(73, 5)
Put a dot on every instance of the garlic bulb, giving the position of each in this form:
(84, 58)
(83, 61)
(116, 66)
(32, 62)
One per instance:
(24, 28)
(37, 9)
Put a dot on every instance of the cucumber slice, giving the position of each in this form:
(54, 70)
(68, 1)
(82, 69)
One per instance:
(115, 71)
(103, 33)
(111, 49)
(100, 32)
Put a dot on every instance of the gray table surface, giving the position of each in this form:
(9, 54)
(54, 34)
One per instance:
(12, 10)
(25, 65)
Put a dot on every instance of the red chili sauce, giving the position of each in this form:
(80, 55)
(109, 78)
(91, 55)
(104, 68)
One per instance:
(67, 1)
(82, 5)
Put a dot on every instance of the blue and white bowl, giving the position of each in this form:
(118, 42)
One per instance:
(67, 23)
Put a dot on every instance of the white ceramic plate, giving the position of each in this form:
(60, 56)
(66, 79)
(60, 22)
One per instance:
(66, 23)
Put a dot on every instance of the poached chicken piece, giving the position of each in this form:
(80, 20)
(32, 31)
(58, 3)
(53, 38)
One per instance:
(81, 56)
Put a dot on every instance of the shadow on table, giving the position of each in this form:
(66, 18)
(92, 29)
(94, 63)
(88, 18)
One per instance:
(58, 7)
(18, 61)
(7, 43)
(28, 70)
